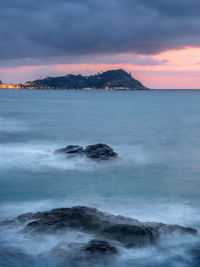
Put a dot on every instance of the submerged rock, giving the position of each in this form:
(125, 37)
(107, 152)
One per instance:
(72, 149)
(94, 249)
(97, 152)
(126, 231)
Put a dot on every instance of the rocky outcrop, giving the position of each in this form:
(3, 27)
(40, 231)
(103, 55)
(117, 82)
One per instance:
(127, 232)
(96, 152)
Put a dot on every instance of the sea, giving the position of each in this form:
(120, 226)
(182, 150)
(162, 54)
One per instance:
(156, 134)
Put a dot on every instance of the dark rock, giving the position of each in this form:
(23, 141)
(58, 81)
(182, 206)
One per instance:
(96, 248)
(72, 149)
(96, 152)
(100, 151)
(129, 232)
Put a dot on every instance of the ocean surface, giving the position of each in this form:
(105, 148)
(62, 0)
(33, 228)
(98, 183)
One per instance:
(157, 178)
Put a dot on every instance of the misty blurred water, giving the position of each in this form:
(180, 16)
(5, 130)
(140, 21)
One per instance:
(157, 177)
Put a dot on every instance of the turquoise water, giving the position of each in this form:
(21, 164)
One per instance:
(157, 178)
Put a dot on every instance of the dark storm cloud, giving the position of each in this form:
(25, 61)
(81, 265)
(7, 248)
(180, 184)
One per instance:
(85, 59)
(53, 28)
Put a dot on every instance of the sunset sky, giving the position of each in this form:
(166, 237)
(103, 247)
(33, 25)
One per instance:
(157, 41)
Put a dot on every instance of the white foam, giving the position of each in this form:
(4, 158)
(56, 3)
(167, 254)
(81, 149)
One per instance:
(135, 155)
(35, 156)
(171, 249)
(38, 156)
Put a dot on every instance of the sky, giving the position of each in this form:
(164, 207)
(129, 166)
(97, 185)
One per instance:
(158, 41)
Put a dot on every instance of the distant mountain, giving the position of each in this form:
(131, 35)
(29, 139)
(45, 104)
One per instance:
(112, 79)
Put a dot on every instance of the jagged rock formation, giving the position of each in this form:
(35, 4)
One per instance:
(96, 152)
(113, 79)
(128, 232)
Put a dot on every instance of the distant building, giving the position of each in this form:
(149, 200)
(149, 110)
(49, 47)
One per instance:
(9, 86)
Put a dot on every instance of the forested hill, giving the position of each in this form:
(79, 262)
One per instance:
(112, 79)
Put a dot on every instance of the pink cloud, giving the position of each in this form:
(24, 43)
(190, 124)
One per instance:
(180, 70)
